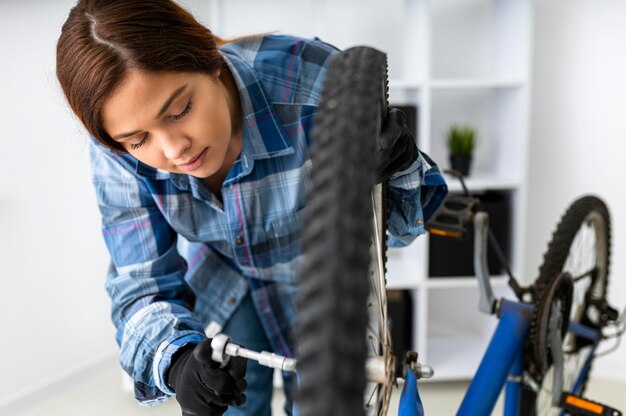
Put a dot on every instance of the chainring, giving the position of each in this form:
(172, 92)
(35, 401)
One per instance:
(553, 303)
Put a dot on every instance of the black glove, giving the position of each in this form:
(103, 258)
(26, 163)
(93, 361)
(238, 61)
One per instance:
(397, 146)
(202, 387)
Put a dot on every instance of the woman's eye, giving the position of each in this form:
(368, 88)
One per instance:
(136, 146)
(183, 113)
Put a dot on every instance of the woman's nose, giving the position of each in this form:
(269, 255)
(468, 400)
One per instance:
(174, 146)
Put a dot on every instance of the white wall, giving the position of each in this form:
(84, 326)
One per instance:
(55, 312)
(55, 322)
(578, 128)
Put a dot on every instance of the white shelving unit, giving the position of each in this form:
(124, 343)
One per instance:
(474, 68)
(462, 61)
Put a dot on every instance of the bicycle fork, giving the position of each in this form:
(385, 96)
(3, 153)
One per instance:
(410, 400)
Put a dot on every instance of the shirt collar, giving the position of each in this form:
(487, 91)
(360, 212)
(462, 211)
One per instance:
(263, 133)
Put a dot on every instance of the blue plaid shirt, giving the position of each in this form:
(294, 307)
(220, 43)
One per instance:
(182, 260)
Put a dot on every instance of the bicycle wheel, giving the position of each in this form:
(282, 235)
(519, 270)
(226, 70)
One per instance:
(333, 302)
(581, 247)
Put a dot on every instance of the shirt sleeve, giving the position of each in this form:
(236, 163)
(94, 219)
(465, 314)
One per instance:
(151, 303)
(413, 195)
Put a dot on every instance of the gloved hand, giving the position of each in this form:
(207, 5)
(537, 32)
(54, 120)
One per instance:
(397, 145)
(202, 387)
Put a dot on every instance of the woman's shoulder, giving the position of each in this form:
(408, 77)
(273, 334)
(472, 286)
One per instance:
(290, 67)
(273, 45)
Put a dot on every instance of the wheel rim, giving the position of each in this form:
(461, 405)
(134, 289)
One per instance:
(377, 396)
(587, 263)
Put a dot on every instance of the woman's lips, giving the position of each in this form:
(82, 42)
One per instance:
(195, 163)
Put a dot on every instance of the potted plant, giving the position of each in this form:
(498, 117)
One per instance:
(461, 143)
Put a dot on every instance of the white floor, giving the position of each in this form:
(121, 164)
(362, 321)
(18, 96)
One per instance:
(102, 395)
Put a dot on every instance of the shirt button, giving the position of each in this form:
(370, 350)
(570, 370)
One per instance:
(232, 301)
(419, 222)
(239, 240)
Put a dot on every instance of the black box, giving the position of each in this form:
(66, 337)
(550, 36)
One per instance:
(449, 257)
(400, 319)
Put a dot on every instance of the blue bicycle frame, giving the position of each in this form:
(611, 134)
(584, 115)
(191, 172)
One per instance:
(502, 364)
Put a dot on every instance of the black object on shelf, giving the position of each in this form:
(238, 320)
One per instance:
(449, 257)
(400, 317)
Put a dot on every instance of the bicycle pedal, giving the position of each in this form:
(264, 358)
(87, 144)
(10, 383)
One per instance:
(579, 406)
(453, 216)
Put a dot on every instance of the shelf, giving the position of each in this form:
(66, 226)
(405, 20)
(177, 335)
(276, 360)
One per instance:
(475, 83)
(401, 284)
(405, 265)
(462, 282)
(455, 358)
(481, 182)
(443, 84)
(497, 117)
(404, 84)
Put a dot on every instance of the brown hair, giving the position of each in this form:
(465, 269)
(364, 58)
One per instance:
(102, 39)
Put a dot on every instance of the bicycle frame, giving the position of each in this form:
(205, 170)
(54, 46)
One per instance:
(502, 365)
(504, 357)
(505, 348)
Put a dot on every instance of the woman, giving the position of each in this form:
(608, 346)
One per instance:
(200, 161)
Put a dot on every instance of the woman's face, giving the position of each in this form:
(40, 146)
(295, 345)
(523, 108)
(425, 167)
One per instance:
(176, 121)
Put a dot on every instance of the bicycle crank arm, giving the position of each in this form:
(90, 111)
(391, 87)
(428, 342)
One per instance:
(223, 349)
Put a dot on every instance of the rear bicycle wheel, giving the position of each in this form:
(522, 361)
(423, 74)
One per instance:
(581, 247)
(334, 333)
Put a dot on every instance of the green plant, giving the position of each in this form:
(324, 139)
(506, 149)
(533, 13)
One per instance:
(461, 140)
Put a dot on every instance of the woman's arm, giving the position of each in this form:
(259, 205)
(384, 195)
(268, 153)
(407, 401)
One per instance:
(151, 303)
